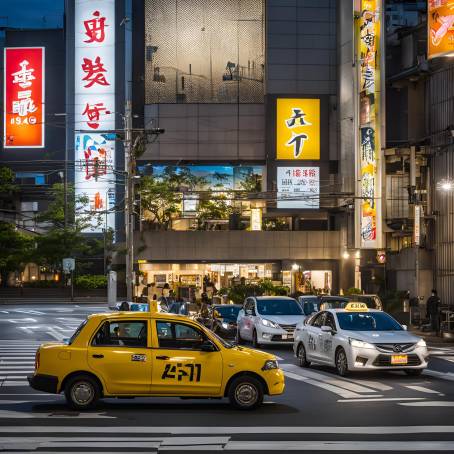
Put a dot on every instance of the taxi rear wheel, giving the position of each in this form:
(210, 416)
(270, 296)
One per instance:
(82, 392)
(341, 362)
(302, 358)
(246, 393)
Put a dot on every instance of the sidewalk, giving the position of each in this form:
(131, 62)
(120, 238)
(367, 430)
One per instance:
(77, 300)
(430, 337)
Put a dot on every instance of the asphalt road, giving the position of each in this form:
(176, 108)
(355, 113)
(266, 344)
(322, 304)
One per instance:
(319, 411)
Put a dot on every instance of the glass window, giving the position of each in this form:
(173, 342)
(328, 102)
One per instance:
(127, 334)
(228, 311)
(329, 321)
(276, 306)
(317, 322)
(77, 332)
(179, 336)
(367, 321)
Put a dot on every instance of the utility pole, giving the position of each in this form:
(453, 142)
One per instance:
(129, 201)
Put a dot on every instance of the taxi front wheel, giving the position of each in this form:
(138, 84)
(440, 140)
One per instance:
(82, 392)
(302, 358)
(245, 393)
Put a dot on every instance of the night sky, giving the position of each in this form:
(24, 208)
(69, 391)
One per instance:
(31, 13)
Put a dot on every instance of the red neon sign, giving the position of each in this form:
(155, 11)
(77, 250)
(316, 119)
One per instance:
(24, 97)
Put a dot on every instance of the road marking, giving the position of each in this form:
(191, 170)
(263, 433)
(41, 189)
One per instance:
(7, 414)
(17, 383)
(442, 375)
(382, 399)
(423, 389)
(231, 430)
(430, 403)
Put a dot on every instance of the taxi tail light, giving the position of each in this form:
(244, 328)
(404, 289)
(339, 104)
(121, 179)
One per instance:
(37, 360)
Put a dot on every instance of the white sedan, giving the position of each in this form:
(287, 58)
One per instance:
(357, 338)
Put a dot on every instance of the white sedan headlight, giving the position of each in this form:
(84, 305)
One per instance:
(421, 343)
(360, 344)
(269, 323)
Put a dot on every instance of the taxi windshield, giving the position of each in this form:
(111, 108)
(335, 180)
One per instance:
(278, 307)
(367, 321)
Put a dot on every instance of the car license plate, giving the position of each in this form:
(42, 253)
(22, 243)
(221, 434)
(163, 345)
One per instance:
(287, 336)
(399, 359)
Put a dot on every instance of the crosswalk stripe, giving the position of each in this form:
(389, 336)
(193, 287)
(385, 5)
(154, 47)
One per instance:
(430, 403)
(423, 389)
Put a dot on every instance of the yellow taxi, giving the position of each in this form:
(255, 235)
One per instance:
(132, 354)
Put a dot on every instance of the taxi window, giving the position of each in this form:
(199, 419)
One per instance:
(179, 336)
(318, 320)
(329, 321)
(367, 321)
(127, 334)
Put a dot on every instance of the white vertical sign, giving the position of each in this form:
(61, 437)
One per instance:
(94, 76)
(298, 187)
(417, 229)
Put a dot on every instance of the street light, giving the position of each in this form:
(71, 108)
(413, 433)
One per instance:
(445, 185)
(345, 255)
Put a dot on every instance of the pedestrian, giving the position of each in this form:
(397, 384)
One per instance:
(432, 310)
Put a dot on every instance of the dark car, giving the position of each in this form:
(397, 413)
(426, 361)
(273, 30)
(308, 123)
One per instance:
(224, 319)
(372, 301)
(314, 303)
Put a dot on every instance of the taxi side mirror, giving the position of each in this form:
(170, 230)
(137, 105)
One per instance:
(207, 346)
(328, 329)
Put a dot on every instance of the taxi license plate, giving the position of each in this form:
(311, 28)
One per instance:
(287, 336)
(399, 359)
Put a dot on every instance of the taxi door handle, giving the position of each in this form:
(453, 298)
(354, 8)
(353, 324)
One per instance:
(98, 356)
(162, 357)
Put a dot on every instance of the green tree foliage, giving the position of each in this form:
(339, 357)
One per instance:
(16, 249)
(7, 177)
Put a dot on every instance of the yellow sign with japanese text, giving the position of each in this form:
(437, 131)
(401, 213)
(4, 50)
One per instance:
(440, 28)
(297, 129)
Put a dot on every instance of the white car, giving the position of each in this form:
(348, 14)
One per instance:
(357, 338)
(268, 320)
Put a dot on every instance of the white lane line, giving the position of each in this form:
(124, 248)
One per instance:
(423, 389)
(383, 399)
(442, 375)
(327, 379)
(232, 430)
(19, 444)
(371, 384)
(17, 383)
(430, 403)
(334, 389)
(7, 414)
(30, 363)
(12, 377)
(347, 446)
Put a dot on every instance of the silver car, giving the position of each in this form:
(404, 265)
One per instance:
(268, 320)
(357, 339)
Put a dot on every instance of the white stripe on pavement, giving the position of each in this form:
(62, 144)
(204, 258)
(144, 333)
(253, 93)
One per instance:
(430, 403)
(382, 399)
(423, 389)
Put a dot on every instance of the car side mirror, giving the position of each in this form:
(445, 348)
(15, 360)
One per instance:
(248, 312)
(207, 346)
(405, 327)
(326, 329)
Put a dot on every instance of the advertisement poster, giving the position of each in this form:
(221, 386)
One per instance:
(369, 205)
(297, 129)
(298, 187)
(24, 82)
(94, 109)
(440, 28)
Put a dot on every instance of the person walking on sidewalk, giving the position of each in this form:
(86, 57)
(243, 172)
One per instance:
(432, 310)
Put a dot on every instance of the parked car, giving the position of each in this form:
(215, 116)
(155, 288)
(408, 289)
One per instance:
(268, 320)
(314, 303)
(372, 301)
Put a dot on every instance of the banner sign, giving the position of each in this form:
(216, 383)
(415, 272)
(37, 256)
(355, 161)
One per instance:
(297, 129)
(440, 28)
(24, 79)
(298, 187)
(95, 108)
(369, 176)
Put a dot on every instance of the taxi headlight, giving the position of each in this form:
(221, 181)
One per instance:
(269, 323)
(225, 325)
(360, 344)
(270, 364)
(421, 343)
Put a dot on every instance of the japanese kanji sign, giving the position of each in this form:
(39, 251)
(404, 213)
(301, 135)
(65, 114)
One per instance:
(440, 28)
(95, 106)
(24, 97)
(297, 129)
(298, 187)
(369, 152)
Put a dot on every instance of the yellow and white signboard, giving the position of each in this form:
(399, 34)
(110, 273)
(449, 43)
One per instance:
(440, 28)
(297, 129)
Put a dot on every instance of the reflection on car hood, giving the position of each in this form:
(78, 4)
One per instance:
(284, 319)
(383, 337)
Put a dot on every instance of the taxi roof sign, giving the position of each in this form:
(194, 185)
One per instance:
(356, 306)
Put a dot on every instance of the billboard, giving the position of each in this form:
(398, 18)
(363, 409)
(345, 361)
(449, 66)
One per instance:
(298, 187)
(297, 129)
(369, 135)
(440, 28)
(24, 79)
(94, 106)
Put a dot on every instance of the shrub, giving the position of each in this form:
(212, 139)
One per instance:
(91, 281)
